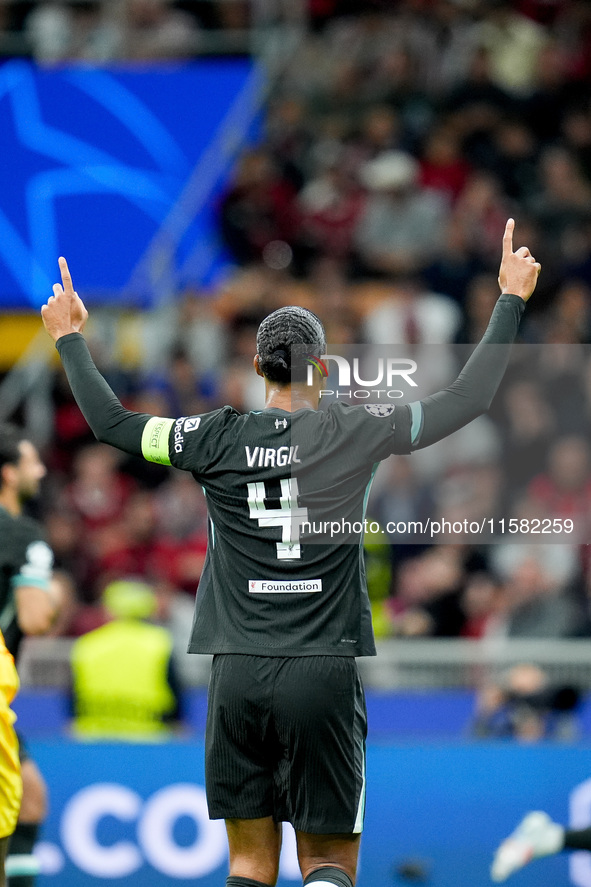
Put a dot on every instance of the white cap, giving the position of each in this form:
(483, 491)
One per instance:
(391, 169)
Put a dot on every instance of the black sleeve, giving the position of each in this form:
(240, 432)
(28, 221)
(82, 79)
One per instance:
(109, 421)
(472, 392)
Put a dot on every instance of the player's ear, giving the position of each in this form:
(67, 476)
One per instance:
(257, 365)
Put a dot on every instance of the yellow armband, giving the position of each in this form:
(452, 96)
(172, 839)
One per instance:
(155, 440)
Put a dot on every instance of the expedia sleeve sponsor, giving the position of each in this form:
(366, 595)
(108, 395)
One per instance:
(179, 436)
(155, 440)
(295, 586)
(189, 450)
(195, 441)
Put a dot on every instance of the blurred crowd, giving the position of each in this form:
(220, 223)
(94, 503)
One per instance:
(399, 140)
(98, 31)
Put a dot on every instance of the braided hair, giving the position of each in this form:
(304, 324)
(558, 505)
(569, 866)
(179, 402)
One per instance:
(279, 360)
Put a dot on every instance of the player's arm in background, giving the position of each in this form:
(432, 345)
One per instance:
(36, 600)
(64, 317)
(439, 415)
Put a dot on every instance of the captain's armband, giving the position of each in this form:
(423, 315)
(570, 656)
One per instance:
(155, 440)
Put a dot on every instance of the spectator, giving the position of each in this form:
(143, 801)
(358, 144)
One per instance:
(178, 384)
(400, 230)
(478, 104)
(427, 603)
(454, 267)
(514, 158)
(59, 31)
(524, 705)
(133, 546)
(378, 570)
(536, 590)
(564, 197)
(482, 208)
(380, 131)
(514, 43)
(480, 602)
(530, 427)
(182, 518)
(568, 320)
(330, 206)
(480, 296)
(98, 490)
(399, 496)
(257, 209)
(576, 131)
(564, 489)
(553, 95)
(49, 29)
(442, 165)
(412, 315)
(289, 137)
(156, 29)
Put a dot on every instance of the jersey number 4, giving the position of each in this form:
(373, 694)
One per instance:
(289, 516)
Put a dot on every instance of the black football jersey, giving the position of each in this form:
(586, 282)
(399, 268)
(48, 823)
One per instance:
(273, 582)
(25, 559)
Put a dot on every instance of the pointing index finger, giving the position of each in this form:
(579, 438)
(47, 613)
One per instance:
(508, 237)
(66, 276)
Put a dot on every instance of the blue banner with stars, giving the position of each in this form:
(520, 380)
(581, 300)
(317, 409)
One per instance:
(98, 164)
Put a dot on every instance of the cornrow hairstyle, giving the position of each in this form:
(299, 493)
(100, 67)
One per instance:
(278, 338)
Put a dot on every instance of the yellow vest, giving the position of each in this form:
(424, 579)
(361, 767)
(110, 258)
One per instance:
(11, 787)
(120, 682)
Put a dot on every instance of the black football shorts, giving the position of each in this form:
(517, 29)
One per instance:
(285, 738)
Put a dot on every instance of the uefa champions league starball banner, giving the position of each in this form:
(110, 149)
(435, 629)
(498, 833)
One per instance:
(136, 815)
(95, 161)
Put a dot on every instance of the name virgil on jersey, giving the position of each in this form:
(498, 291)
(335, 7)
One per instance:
(271, 457)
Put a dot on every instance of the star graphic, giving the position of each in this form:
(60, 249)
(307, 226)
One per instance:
(58, 164)
(97, 165)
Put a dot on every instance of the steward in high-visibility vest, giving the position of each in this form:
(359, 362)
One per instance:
(121, 671)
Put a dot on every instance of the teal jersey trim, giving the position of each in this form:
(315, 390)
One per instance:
(416, 411)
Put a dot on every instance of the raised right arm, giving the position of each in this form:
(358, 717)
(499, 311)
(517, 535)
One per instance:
(444, 412)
